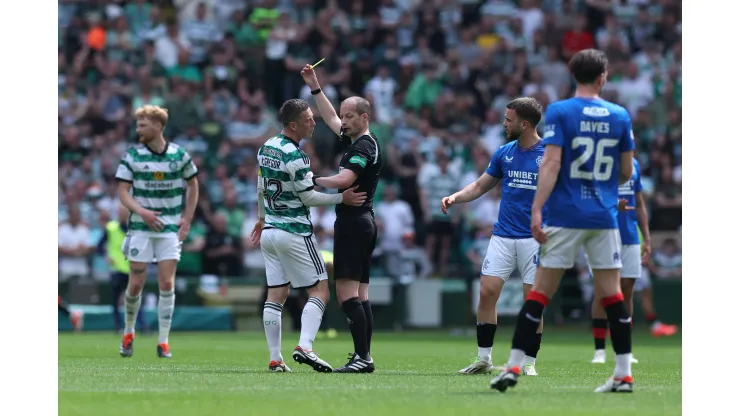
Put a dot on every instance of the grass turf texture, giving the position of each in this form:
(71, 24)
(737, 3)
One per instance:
(226, 374)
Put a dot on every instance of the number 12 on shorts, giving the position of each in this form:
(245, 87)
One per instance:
(603, 164)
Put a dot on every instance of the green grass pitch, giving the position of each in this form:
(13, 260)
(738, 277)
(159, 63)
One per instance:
(224, 374)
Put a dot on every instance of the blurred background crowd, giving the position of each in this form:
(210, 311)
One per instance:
(438, 74)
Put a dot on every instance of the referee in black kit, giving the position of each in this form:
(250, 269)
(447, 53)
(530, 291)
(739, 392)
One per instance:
(355, 232)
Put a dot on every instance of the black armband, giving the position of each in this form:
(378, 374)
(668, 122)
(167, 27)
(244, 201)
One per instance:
(317, 91)
(314, 180)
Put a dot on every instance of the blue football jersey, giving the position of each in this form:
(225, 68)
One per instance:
(593, 133)
(628, 228)
(517, 168)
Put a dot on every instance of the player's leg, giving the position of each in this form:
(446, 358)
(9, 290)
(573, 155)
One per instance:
(305, 268)
(599, 326)
(631, 272)
(498, 265)
(167, 251)
(139, 251)
(118, 282)
(657, 328)
(555, 256)
(351, 237)
(75, 317)
(277, 292)
(526, 255)
(604, 253)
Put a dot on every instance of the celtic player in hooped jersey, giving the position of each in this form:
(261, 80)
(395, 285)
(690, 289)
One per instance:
(285, 233)
(158, 185)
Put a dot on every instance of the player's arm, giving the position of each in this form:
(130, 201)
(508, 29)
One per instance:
(190, 173)
(548, 175)
(125, 178)
(553, 140)
(642, 217)
(487, 181)
(626, 149)
(475, 190)
(326, 109)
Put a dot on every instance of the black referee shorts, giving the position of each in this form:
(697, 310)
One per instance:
(354, 241)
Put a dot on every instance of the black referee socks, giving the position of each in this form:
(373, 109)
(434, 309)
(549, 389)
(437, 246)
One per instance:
(357, 325)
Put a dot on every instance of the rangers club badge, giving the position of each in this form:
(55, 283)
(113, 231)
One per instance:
(538, 160)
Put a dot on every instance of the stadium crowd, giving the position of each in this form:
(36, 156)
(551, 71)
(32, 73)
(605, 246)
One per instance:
(438, 74)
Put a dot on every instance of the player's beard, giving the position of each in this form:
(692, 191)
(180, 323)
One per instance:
(513, 135)
(146, 139)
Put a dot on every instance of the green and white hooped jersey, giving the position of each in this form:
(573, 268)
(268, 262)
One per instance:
(283, 174)
(158, 183)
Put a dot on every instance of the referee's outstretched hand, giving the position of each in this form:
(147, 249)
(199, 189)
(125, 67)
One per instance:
(355, 199)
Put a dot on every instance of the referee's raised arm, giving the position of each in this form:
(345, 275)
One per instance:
(355, 231)
(328, 114)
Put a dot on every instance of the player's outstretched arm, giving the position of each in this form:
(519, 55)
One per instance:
(327, 111)
(471, 192)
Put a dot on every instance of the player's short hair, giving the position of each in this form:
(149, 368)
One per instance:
(526, 108)
(587, 65)
(154, 113)
(362, 106)
(291, 110)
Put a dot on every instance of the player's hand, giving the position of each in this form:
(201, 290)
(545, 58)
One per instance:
(309, 76)
(151, 219)
(446, 203)
(183, 229)
(256, 233)
(352, 198)
(647, 250)
(537, 232)
(622, 206)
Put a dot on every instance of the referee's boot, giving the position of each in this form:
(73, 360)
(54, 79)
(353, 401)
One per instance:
(356, 365)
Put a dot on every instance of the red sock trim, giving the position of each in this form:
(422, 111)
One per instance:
(599, 333)
(538, 297)
(611, 300)
(651, 317)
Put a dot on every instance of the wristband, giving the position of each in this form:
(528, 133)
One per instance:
(316, 91)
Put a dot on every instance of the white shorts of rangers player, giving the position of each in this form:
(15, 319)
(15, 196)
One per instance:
(505, 255)
(144, 248)
(603, 248)
(631, 267)
(291, 259)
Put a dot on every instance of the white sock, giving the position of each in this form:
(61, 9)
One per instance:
(165, 308)
(313, 312)
(133, 303)
(624, 365)
(272, 319)
(529, 360)
(515, 358)
(485, 354)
